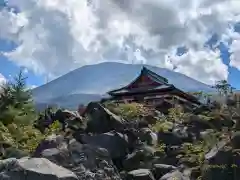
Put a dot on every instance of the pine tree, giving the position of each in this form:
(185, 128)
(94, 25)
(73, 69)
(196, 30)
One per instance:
(16, 103)
(6, 97)
(20, 92)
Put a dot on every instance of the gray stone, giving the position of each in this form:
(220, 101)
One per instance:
(140, 174)
(33, 168)
(146, 135)
(115, 143)
(101, 120)
(160, 169)
(86, 161)
(174, 175)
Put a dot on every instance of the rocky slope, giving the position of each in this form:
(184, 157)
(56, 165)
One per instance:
(112, 142)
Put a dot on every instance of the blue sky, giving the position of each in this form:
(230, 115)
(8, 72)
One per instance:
(8, 68)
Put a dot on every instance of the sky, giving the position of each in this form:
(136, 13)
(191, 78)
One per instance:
(48, 38)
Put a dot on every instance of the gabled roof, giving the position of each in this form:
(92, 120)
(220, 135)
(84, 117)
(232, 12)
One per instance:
(154, 76)
(163, 83)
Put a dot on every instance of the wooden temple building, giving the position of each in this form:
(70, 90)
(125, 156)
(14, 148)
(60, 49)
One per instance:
(154, 90)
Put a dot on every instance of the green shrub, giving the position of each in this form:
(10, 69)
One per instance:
(162, 126)
(129, 111)
(54, 128)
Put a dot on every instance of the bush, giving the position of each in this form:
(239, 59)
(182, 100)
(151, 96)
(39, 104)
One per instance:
(162, 126)
(130, 111)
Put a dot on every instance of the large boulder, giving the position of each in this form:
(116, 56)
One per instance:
(184, 133)
(86, 161)
(101, 120)
(169, 138)
(65, 114)
(196, 123)
(116, 143)
(52, 141)
(221, 121)
(222, 161)
(218, 154)
(142, 157)
(235, 141)
(71, 119)
(33, 168)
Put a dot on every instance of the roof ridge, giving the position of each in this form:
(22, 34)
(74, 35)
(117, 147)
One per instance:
(155, 75)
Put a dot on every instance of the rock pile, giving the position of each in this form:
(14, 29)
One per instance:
(108, 147)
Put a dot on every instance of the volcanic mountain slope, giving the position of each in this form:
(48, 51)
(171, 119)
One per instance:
(90, 83)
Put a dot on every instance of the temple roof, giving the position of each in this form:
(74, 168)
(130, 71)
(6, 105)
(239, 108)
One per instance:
(149, 81)
(154, 76)
(161, 83)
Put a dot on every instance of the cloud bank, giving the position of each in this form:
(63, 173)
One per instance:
(55, 36)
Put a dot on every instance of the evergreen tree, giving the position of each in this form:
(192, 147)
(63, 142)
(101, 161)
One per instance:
(16, 103)
(6, 96)
(223, 87)
(21, 94)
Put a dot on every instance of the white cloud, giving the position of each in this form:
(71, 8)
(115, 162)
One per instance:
(2, 79)
(234, 49)
(56, 36)
(204, 65)
(32, 86)
(25, 70)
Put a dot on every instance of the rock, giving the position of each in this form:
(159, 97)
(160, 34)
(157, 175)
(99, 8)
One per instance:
(115, 143)
(236, 119)
(216, 151)
(33, 168)
(101, 120)
(220, 121)
(146, 135)
(70, 119)
(63, 115)
(160, 169)
(140, 174)
(220, 172)
(196, 173)
(236, 140)
(169, 138)
(201, 109)
(140, 158)
(52, 141)
(60, 157)
(174, 175)
(133, 161)
(133, 139)
(183, 132)
(219, 163)
(86, 161)
(198, 124)
(205, 134)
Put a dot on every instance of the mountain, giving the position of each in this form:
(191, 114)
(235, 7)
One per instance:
(91, 82)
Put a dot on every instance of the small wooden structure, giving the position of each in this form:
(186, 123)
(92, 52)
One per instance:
(154, 90)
